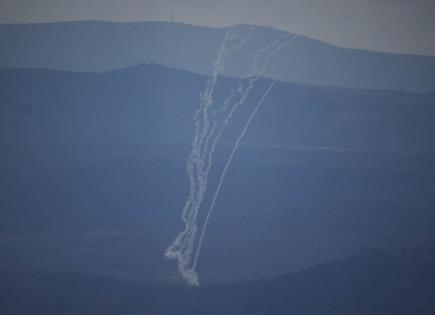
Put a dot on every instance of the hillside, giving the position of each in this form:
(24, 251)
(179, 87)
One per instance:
(375, 282)
(93, 174)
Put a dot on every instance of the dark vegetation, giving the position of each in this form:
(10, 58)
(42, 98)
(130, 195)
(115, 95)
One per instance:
(373, 282)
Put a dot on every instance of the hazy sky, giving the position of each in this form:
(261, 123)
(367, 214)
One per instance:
(387, 25)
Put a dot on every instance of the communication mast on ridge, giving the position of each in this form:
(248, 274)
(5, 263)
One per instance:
(172, 16)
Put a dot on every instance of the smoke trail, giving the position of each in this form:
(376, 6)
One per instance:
(254, 75)
(204, 165)
(224, 172)
(182, 246)
(178, 248)
(256, 72)
(201, 156)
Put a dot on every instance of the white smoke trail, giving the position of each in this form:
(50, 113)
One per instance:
(204, 165)
(181, 248)
(253, 75)
(178, 248)
(198, 166)
(256, 73)
(224, 172)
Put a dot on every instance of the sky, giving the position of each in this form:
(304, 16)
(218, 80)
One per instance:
(403, 26)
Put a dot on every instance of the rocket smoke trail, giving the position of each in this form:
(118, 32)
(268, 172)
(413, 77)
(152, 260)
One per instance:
(224, 172)
(256, 73)
(206, 135)
(181, 248)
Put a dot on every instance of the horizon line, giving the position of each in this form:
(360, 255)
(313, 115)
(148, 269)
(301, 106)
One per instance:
(216, 28)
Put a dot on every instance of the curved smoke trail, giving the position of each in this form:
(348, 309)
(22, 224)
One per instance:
(181, 248)
(224, 172)
(204, 142)
(256, 72)
(244, 92)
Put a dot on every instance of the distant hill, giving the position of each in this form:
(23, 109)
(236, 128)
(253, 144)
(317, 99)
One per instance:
(101, 46)
(93, 174)
(375, 282)
(156, 103)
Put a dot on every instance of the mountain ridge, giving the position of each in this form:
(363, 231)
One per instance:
(100, 46)
(146, 66)
(216, 28)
